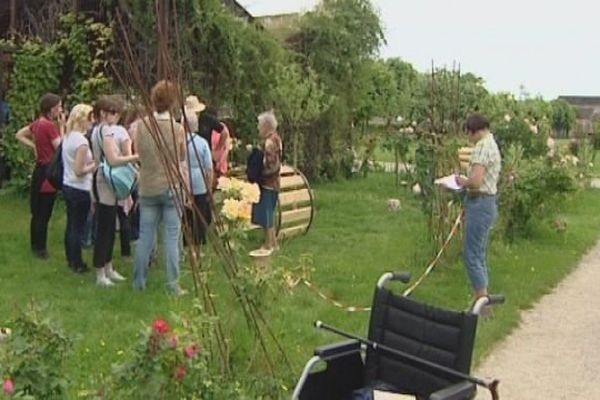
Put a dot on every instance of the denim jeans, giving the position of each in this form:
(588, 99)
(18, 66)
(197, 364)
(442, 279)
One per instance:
(480, 215)
(152, 211)
(78, 206)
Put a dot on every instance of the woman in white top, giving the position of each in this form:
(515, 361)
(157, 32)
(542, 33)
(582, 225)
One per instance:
(78, 165)
(106, 146)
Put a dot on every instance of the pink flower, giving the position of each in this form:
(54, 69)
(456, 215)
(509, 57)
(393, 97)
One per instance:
(180, 372)
(191, 351)
(161, 327)
(173, 342)
(9, 387)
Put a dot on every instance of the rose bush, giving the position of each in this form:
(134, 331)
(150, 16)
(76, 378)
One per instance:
(32, 357)
(174, 360)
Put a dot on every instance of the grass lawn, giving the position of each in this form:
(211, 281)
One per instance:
(353, 240)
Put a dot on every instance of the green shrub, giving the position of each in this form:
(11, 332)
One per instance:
(33, 356)
(174, 361)
(518, 132)
(532, 188)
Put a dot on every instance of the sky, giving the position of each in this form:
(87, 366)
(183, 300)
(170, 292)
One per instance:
(546, 46)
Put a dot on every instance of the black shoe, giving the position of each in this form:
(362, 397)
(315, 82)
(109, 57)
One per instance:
(79, 268)
(41, 254)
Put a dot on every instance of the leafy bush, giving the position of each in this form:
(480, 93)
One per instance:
(174, 361)
(522, 133)
(36, 71)
(79, 54)
(32, 357)
(531, 188)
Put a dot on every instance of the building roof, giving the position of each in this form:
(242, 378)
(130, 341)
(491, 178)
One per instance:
(581, 100)
(261, 8)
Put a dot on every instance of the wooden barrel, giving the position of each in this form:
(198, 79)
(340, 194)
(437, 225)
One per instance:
(464, 156)
(295, 208)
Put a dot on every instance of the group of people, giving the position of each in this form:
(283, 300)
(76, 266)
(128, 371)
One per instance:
(196, 145)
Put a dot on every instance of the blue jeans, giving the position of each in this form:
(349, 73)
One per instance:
(152, 211)
(480, 215)
(78, 206)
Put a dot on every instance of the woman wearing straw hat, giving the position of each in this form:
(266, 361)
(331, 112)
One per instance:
(207, 121)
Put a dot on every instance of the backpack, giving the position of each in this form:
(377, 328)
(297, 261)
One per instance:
(122, 178)
(254, 165)
(55, 169)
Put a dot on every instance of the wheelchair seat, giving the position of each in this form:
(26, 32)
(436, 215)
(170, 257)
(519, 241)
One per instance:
(441, 336)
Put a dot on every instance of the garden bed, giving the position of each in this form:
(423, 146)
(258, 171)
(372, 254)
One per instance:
(353, 240)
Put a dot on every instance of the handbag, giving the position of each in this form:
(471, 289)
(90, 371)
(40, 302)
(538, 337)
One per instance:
(55, 169)
(254, 166)
(122, 178)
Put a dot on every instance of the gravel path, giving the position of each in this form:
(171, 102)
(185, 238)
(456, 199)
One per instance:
(555, 353)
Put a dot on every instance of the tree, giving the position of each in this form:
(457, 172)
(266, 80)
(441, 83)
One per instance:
(563, 116)
(300, 99)
(407, 82)
(336, 41)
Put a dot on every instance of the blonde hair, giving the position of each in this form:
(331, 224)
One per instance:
(78, 115)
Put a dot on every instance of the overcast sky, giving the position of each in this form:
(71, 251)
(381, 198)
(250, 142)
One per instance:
(549, 46)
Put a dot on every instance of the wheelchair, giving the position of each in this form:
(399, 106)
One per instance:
(425, 334)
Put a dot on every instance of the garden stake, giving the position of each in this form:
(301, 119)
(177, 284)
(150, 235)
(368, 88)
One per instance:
(254, 318)
(490, 384)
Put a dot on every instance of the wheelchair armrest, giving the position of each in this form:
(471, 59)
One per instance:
(491, 300)
(459, 391)
(338, 349)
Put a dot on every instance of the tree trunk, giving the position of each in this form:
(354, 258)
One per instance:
(13, 16)
(163, 37)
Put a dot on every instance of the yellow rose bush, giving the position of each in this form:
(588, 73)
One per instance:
(238, 197)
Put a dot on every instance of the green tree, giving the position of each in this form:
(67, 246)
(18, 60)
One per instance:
(563, 117)
(337, 41)
(300, 99)
(407, 80)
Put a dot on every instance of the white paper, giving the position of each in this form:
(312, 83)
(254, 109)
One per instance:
(379, 395)
(449, 182)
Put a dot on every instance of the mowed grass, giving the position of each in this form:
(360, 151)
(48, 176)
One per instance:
(353, 240)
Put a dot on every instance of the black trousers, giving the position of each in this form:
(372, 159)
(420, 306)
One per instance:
(105, 236)
(199, 223)
(124, 232)
(78, 206)
(41, 206)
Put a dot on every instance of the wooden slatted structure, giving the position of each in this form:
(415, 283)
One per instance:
(295, 208)
(464, 156)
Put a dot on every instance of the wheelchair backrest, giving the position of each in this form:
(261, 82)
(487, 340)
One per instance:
(434, 334)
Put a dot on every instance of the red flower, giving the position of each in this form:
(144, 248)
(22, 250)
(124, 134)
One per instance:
(191, 351)
(161, 327)
(9, 387)
(180, 372)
